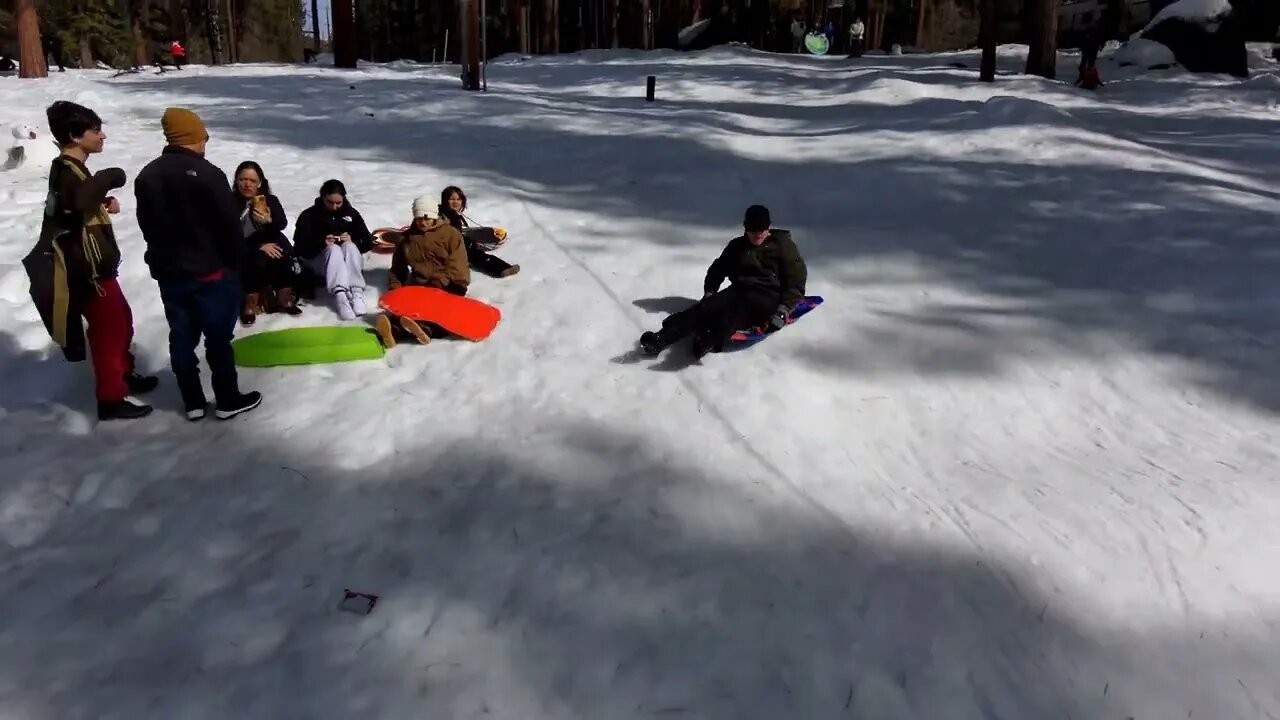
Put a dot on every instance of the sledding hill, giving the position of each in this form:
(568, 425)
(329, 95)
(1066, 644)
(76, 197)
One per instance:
(1020, 464)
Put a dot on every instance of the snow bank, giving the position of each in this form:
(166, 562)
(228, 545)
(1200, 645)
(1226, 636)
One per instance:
(1010, 110)
(1191, 10)
(1143, 53)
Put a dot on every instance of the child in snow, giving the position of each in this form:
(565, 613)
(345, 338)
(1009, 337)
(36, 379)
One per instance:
(767, 280)
(432, 254)
(453, 203)
(194, 251)
(74, 264)
(856, 32)
(332, 236)
(271, 267)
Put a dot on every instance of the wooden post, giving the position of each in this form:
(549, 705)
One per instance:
(30, 50)
(470, 34)
(650, 85)
(987, 40)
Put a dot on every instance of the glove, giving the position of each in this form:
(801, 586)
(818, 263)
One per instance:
(113, 177)
(779, 318)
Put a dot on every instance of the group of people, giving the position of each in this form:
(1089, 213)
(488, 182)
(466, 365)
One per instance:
(216, 262)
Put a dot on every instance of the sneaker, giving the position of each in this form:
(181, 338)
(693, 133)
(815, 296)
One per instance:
(345, 310)
(357, 302)
(413, 328)
(141, 384)
(510, 271)
(385, 333)
(123, 410)
(242, 404)
(196, 413)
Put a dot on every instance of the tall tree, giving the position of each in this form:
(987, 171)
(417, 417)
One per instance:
(141, 56)
(1042, 56)
(343, 34)
(30, 49)
(550, 26)
(315, 22)
(987, 40)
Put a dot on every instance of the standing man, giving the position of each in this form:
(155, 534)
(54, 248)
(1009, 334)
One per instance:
(194, 239)
(74, 264)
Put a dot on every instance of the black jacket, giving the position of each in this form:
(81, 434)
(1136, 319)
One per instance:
(75, 250)
(272, 232)
(317, 221)
(185, 212)
(775, 266)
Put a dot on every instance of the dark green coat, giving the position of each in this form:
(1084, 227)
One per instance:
(774, 266)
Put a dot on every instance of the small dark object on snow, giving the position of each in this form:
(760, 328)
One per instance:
(958, 64)
(650, 85)
(351, 87)
(368, 114)
(358, 603)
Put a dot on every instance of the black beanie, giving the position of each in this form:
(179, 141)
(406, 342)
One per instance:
(757, 219)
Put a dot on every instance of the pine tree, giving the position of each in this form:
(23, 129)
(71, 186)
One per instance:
(30, 49)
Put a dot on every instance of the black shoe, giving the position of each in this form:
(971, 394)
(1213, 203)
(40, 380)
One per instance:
(196, 413)
(244, 403)
(123, 410)
(141, 384)
(650, 343)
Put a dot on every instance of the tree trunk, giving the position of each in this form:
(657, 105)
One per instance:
(233, 54)
(86, 51)
(1042, 56)
(141, 56)
(612, 22)
(646, 18)
(470, 35)
(343, 32)
(30, 50)
(987, 40)
(213, 29)
(315, 22)
(550, 26)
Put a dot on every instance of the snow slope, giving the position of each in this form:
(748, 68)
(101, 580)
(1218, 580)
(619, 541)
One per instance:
(1021, 464)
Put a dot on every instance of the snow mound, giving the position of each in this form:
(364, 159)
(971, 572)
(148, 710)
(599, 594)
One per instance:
(1144, 53)
(1009, 110)
(1201, 11)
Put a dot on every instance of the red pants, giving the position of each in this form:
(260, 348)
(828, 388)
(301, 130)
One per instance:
(110, 334)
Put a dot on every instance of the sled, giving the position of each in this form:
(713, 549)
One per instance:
(469, 319)
(750, 336)
(385, 239)
(307, 346)
(816, 43)
(487, 239)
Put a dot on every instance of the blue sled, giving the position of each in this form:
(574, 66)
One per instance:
(746, 338)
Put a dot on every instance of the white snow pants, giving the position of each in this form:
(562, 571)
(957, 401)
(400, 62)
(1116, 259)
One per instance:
(342, 266)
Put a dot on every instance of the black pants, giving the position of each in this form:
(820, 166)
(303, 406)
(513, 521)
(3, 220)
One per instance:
(716, 318)
(261, 272)
(490, 265)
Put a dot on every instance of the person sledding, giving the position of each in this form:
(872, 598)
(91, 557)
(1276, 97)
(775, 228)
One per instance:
(479, 240)
(431, 254)
(767, 279)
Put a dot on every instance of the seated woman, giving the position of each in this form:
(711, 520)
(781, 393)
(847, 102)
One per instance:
(332, 237)
(453, 202)
(431, 254)
(271, 267)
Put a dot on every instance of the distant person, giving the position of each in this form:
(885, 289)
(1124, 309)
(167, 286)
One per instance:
(767, 279)
(797, 35)
(178, 53)
(857, 31)
(271, 268)
(74, 265)
(194, 248)
(332, 236)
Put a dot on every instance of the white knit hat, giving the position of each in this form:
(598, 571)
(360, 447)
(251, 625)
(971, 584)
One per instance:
(425, 207)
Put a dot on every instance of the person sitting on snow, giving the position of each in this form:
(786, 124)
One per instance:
(332, 237)
(767, 280)
(431, 254)
(453, 203)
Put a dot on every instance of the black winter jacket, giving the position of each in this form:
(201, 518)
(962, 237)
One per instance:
(775, 266)
(187, 218)
(318, 221)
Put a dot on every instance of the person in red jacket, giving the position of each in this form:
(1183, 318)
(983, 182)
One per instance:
(178, 52)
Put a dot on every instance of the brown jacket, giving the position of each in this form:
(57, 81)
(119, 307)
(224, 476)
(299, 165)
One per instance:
(435, 258)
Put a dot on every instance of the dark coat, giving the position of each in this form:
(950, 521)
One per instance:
(773, 267)
(272, 232)
(317, 221)
(191, 227)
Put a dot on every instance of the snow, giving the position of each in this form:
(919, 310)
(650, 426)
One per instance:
(1021, 464)
(1195, 10)
(1144, 53)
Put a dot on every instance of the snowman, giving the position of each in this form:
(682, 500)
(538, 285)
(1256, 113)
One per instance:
(31, 150)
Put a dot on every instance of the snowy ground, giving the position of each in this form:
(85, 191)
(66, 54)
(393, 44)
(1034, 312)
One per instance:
(1022, 464)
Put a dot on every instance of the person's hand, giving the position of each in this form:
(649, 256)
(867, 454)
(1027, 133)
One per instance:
(779, 318)
(330, 239)
(113, 206)
(344, 237)
(261, 218)
(272, 250)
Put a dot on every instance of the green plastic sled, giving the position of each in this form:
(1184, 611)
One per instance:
(307, 346)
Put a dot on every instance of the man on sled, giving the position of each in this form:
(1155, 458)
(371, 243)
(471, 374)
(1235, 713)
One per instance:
(766, 281)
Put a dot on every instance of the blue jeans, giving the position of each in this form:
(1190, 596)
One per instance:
(210, 309)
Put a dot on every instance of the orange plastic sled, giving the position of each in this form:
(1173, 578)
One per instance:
(385, 239)
(464, 317)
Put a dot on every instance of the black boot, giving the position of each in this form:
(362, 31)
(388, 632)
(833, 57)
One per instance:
(651, 343)
(701, 346)
(244, 403)
(123, 410)
(141, 384)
